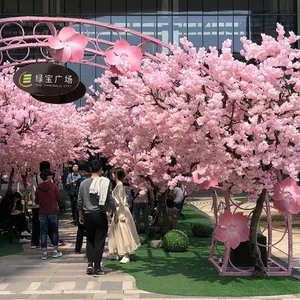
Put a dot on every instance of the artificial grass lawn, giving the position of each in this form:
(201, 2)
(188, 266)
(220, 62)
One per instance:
(8, 249)
(190, 274)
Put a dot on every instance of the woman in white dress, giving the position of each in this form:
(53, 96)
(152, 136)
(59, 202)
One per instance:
(123, 238)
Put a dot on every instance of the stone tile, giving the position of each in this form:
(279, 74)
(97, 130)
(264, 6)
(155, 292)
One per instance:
(34, 286)
(89, 296)
(60, 297)
(3, 286)
(128, 285)
(18, 287)
(15, 296)
(93, 285)
(46, 286)
(80, 285)
(64, 286)
(112, 285)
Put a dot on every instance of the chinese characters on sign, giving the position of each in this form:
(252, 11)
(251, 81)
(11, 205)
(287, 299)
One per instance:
(46, 79)
(53, 79)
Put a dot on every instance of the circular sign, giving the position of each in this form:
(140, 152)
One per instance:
(46, 79)
(72, 96)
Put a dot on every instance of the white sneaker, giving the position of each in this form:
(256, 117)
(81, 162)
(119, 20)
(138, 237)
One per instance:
(44, 256)
(57, 254)
(25, 234)
(125, 260)
(24, 241)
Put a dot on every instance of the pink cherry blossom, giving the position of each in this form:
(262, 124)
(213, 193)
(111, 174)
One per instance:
(124, 53)
(204, 183)
(286, 197)
(68, 45)
(232, 229)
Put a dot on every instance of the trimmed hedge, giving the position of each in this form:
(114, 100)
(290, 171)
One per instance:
(202, 230)
(175, 241)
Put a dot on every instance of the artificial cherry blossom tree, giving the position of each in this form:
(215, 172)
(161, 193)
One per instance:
(32, 131)
(237, 119)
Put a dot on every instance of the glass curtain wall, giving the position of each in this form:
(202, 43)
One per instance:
(205, 22)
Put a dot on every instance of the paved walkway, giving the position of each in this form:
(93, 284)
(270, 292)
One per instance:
(26, 276)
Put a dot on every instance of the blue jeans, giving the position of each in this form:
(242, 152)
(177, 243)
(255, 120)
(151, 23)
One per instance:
(137, 208)
(45, 221)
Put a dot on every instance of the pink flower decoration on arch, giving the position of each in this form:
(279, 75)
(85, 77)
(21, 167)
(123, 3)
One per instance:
(122, 51)
(68, 45)
(232, 229)
(286, 197)
(204, 183)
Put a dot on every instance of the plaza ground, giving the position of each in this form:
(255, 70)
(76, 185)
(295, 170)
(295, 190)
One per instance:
(26, 276)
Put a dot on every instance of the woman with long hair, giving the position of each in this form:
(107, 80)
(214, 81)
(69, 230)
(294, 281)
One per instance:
(123, 238)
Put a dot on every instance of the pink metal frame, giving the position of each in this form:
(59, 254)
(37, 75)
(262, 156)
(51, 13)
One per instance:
(37, 39)
(221, 261)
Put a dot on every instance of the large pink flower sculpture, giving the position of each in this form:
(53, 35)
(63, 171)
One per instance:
(205, 183)
(123, 52)
(232, 229)
(68, 45)
(286, 197)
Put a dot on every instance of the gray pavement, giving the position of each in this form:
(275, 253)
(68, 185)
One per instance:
(26, 276)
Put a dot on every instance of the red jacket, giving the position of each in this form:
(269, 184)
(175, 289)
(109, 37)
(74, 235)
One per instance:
(47, 196)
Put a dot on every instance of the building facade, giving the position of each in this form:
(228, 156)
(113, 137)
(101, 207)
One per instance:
(205, 22)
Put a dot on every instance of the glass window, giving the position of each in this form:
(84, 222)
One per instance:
(148, 7)
(240, 29)
(118, 6)
(26, 7)
(210, 31)
(270, 25)
(210, 7)
(102, 8)
(289, 23)
(179, 6)
(256, 6)
(226, 7)
(87, 7)
(165, 30)
(121, 22)
(240, 5)
(149, 27)
(195, 30)
(226, 26)
(257, 24)
(134, 23)
(179, 28)
(105, 34)
(134, 6)
(195, 6)
(271, 6)
(287, 7)
(164, 6)
(72, 7)
(10, 6)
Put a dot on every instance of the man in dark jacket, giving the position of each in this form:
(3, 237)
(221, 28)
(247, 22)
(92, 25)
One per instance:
(83, 169)
(47, 197)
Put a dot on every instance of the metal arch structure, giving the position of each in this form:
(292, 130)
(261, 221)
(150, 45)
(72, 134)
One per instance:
(33, 43)
(221, 259)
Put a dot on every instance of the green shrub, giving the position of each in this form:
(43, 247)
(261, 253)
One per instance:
(202, 230)
(153, 231)
(142, 228)
(175, 241)
(143, 240)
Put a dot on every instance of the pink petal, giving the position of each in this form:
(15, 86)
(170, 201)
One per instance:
(213, 182)
(225, 219)
(134, 64)
(111, 58)
(221, 234)
(244, 233)
(63, 55)
(280, 205)
(239, 220)
(134, 52)
(80, 40)
(55, 43)
(77, 53)
(121, 46)
(66, 33)
(200, 170)
(234, 239)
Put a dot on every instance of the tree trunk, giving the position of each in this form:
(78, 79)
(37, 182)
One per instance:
(10, 181)
(259, 268)
(163, 212)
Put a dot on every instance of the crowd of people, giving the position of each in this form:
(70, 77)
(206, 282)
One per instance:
(97, 199)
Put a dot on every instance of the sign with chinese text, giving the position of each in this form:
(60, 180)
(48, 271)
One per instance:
(46, 79)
